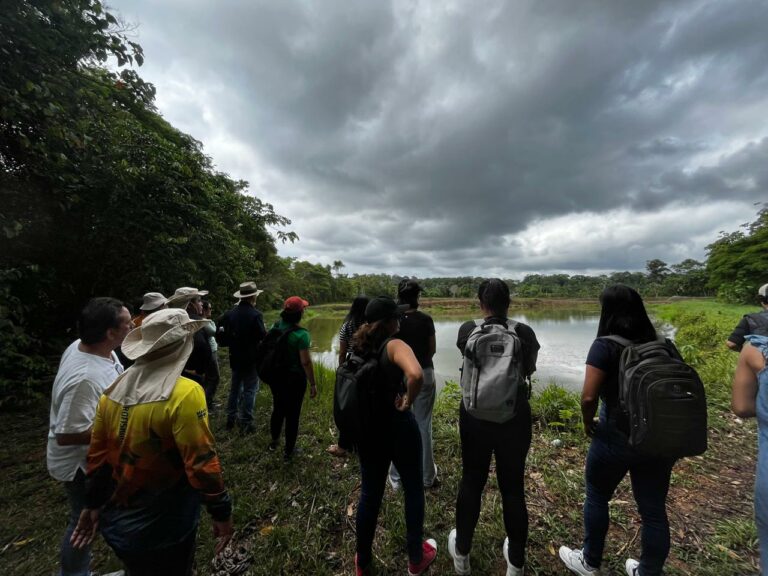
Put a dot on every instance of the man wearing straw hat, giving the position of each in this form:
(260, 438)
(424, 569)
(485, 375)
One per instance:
(152, 458)
(243, 328)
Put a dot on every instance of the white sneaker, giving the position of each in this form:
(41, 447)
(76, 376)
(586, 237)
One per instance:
(396, 484)
(574, 561)
(460, 563)
(512, 570)
(632, 567)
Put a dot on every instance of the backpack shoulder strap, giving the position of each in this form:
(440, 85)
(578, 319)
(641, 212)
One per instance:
(618, 339)
(512, 325)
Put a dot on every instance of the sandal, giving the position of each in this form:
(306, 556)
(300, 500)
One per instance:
(338, 451)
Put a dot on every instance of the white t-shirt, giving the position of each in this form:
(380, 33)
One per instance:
(79, 383)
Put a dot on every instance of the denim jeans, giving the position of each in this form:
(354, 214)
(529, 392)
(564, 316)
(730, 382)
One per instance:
(422, 410)
(509, 442)
(761, 477)
(242, 394)
(398, 441)
(608, 461)
(75, 562)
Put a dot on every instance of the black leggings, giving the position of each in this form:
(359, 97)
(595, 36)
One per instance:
(510, 442)
(287, 397)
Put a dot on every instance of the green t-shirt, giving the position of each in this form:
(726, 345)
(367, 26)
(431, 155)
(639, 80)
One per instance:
(297, 340)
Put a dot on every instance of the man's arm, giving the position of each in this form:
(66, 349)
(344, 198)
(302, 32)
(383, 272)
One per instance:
(76, 439)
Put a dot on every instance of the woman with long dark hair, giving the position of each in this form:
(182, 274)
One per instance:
(509, 441)
(288, 395)
(392, 436)
(610, 457)
(352, 322)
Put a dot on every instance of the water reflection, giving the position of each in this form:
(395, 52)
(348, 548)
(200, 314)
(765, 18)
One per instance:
(564, 335)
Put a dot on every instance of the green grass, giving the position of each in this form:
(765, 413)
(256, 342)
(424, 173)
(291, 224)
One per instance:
(298, 518)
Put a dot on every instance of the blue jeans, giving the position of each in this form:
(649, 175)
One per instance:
(75, 562)
(398, 442)
(422, 410)
(245, 385)
(608, 461)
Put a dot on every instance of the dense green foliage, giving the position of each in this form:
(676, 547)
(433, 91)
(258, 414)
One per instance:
(101, 196)
(738, 261)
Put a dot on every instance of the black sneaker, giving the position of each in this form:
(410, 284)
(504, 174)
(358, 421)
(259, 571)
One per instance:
(289, 455)
(272, 446)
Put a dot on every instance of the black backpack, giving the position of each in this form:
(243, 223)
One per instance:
(354, 394)
(663, 399)
(272, 355)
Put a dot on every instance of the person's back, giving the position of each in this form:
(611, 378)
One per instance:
(246, 325)
(508, 440)
(160, 454)
(610, 457)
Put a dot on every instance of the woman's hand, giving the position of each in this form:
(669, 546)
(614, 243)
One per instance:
(222, 532)
(312, 390)
(402, 402)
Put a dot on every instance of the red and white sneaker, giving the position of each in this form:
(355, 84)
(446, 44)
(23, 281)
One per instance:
(429, 548)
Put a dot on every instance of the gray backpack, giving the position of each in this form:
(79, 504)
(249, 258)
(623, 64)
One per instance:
(492, 373)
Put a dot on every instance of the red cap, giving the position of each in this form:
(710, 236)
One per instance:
(295, 304)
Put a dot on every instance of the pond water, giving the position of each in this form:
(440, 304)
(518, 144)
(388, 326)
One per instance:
(564, 335)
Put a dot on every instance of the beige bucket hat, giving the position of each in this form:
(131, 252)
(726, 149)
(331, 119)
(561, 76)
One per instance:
(247, 289)
(184, 294)
(158, 331)
(161, 347)
(153, 301)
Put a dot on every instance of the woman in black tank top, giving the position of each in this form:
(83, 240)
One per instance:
(393, 438)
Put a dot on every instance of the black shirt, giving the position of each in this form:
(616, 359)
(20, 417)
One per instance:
(416, 330)
(245, 325)
(200, 359)
(749, 324)
(530, 345)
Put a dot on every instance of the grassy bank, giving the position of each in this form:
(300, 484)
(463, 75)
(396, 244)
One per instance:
(298, 518)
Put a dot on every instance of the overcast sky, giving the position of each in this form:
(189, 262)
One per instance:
(476, 138)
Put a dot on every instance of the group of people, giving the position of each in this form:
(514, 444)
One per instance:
(135, 453)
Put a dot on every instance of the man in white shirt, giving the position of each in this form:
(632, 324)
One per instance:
(88, 366)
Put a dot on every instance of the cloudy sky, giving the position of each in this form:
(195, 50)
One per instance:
(471, 137)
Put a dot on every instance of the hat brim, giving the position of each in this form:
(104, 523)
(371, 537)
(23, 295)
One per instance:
(239, 294)
(147, 308)
(134, 347)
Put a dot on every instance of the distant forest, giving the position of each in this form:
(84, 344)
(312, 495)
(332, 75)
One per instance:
(102, 196)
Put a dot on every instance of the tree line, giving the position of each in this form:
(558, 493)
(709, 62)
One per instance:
(102, 196)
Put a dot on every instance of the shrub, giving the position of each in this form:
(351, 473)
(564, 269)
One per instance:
(554, 406)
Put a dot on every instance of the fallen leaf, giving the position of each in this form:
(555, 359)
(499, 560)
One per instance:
(266, 530)
(350, 510)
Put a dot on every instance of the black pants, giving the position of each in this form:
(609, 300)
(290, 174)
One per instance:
(176, 560)
(287, 397)
(211, 383)
(510, 442)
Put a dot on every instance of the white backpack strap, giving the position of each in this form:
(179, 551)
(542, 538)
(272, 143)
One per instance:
(512, 325)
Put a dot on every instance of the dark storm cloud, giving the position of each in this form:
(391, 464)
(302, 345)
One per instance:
(431, 136)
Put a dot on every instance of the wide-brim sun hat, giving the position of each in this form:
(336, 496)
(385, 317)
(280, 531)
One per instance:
(185, 294)
(763, 291)
(159, 330)
(247, 289)
(153, 301)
